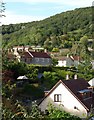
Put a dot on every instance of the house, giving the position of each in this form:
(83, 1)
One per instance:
(21, 48)
(92, 62)
(21, 80)
(68, 61)
(64, 61)
(37, 58)
(73, 96)
(16, 50)
(91, 82)
(37, 48)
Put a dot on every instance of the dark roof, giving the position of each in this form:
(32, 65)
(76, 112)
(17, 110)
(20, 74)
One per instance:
(77, 85)
(74, 86)
(77, 58)
(61, 58)
(26, 55)
(40, 54)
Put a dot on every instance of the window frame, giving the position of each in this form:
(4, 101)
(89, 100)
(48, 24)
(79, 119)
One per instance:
(57, 97)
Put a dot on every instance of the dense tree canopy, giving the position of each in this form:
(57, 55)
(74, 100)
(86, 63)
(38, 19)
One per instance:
(63, 28)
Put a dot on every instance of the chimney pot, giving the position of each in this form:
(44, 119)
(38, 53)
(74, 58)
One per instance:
(75, 76)
(67, 77)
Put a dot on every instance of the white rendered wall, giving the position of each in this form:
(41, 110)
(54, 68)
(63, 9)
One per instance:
(61, 63)
(68, 102)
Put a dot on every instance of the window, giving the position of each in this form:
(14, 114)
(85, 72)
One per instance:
(37, 59)
(57, 98)
(48, 60)
(85, 94)
(42, 59)
(29, 60)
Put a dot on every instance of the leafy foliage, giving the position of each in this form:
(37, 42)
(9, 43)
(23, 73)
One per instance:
(35, 113)
(50, 79)
(55, 113)
(32, 73)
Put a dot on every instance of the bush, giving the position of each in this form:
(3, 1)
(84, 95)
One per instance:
(55, 113)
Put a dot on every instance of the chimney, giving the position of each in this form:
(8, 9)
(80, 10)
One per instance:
(67, 55)
(45, 93)
(75, 76)
(45, 50)
(8, 50)
(67, 77)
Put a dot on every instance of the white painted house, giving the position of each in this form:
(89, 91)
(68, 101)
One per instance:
(73, 96)
(22, 77)
(68, 61)
(92, 62)
(91, 82)
(16, 50)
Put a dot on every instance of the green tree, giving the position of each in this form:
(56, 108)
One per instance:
(50, 79)
(84, 40)
(32, 73)
(61, 73)
(18, 68)
(47, 43)
(85, 69)
(55, 50)
(54, 61)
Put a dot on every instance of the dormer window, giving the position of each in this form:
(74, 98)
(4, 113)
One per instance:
(85, 94)
(91, 88)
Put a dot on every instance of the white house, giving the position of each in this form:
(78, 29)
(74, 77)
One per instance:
(37, 48)
(20, 48)
(17, 49)
(22, 77)
(92, 62)
(65, 62)
(91, 82)
(68, 61)
(73, 96)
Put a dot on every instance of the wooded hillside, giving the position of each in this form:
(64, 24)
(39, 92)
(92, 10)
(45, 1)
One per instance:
(60, 30)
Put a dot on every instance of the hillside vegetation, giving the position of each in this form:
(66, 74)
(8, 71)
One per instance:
(60, 30)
